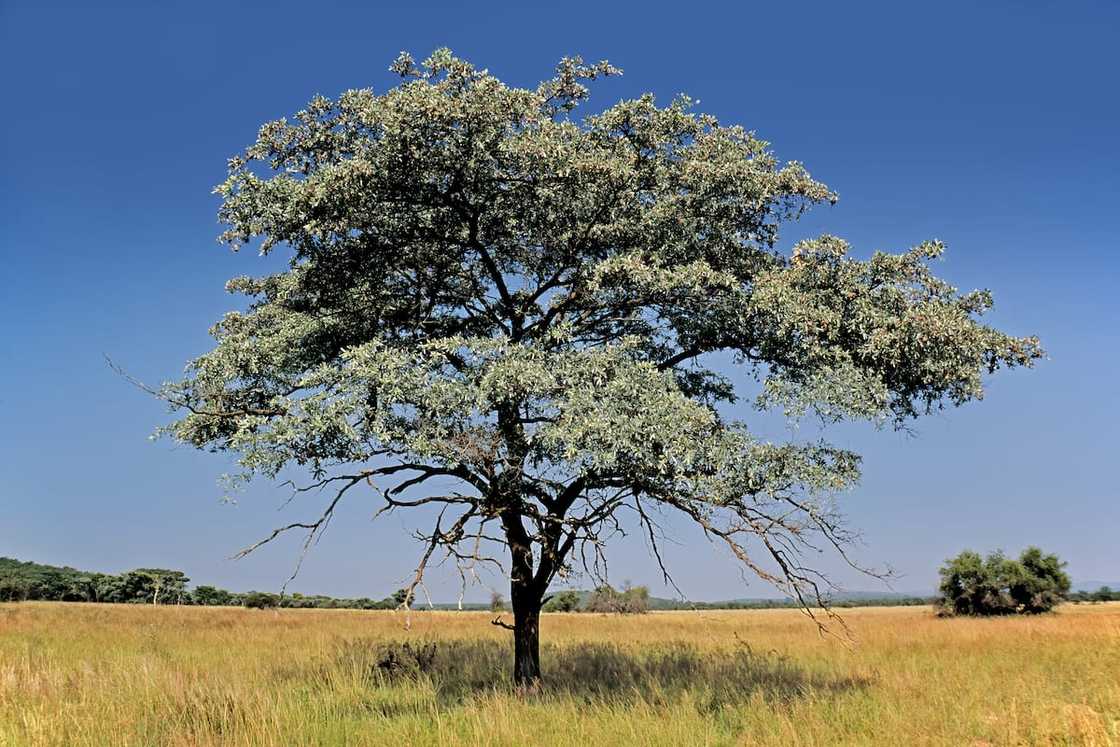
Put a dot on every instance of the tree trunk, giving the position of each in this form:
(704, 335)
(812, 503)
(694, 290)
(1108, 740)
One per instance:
(526, 604)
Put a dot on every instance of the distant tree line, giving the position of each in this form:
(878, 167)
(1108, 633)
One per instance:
(31, 581)
(1103, 594)
(637, 600)
(27, 581)
(787, 603)
(970, 584)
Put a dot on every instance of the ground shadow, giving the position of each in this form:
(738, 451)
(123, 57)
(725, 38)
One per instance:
(593, 672)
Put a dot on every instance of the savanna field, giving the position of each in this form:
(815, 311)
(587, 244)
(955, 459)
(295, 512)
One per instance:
(84, 674)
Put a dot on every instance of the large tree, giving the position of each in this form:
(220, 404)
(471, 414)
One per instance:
(514, 315)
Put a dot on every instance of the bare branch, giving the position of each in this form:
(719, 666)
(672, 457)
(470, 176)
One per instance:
(501, 623)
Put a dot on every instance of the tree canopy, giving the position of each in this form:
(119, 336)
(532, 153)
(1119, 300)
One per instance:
(500, 309)
(998, 585)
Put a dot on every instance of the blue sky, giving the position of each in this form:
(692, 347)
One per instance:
(991, 126)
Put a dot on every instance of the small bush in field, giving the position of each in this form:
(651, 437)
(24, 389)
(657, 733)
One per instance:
(563, 601)
(259, 600)
(632, 600)
(998, 585)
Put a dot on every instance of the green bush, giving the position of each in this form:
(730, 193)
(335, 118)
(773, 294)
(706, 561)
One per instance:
(563, 601)
(632, 600)
(998, 585)
(259, 600)
(211, 596)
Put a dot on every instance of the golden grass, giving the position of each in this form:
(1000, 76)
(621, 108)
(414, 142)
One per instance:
(127, 675)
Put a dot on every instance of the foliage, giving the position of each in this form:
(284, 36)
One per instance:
(1103, 594)
(21, 581)
(512, 315)
(997, 585)
(212, 596)
(259, 600)
(497, 602)
(632, 600)
(156, 584)
(24, 581)
(563, 601)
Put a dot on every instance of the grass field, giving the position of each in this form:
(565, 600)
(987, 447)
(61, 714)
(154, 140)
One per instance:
(129, 675)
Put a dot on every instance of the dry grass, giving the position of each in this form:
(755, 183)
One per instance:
(109, 675)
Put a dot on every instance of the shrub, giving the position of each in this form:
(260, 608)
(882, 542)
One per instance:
(632, 600)
(563, 601)
(259, 600)
(998, 585)
(212, 596)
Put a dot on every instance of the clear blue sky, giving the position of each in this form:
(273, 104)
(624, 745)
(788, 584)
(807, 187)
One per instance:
(992, 126)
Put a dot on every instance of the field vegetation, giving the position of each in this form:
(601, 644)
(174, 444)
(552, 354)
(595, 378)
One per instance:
(95, 674)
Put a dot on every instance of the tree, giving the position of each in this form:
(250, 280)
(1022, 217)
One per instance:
(497, 602)
(1103, 594)
(260, 600)
(1043, 583)
(212, 596)
(997, 585)
(513, 318)
(401, 598)
(80, 588)
(632, 600)
(14, 589)
(112, 589)
(157, 585)
(563, 601)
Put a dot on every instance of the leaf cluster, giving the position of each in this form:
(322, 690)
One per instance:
(998, 585)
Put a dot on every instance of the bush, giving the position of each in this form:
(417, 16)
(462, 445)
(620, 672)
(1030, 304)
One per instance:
(998, 585)
(212, 596)
(630, 601)
(563, 601)
(259, 600)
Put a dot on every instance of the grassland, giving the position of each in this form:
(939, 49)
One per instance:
(130, 675)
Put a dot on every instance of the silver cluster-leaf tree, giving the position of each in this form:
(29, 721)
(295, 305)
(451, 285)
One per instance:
(510, 313)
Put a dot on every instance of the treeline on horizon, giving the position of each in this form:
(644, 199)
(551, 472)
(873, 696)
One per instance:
(30, 581)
